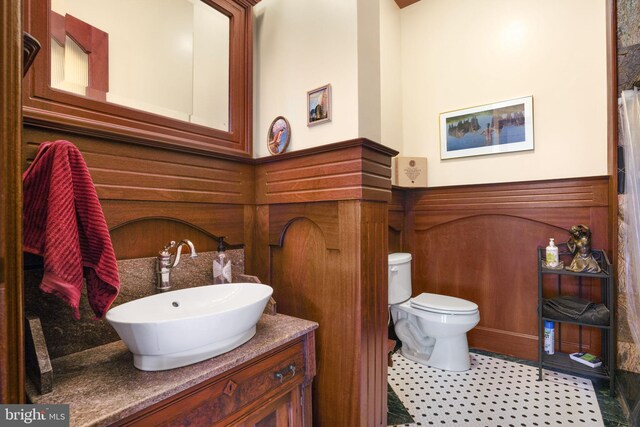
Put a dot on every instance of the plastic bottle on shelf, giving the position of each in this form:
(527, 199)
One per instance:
(549, 337)
(551, 256)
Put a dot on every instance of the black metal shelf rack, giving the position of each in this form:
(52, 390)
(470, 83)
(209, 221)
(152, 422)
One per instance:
(561, 360)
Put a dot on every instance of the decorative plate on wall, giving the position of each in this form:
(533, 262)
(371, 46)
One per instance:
(279, 135)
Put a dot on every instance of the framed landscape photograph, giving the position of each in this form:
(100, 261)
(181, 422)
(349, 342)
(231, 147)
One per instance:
(501, 127)
(319, 105)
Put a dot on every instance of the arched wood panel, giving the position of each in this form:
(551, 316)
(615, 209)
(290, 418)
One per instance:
(480, 243)
(147, 236)
(492, 261)
(136, 182)
(344, 289)
(305, 268)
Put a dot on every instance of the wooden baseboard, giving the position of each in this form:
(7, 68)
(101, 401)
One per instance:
(513, 344)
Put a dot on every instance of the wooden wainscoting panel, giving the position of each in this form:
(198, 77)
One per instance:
(564, 193)
(249, 240)
(479, 243)
(374, 311)
(161, 195)
(217, 219)
(303, 271)
(147, 237)
(122, 171)
(141, 228)
(324, 214)
(345, 291)
(396, 220)
(11, 293)
(259, 261)
(562, 218)
(356, 169)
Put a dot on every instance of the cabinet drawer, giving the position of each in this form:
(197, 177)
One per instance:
(207, 403)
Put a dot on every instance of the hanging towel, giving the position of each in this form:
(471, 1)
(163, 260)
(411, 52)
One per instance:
(63, 222)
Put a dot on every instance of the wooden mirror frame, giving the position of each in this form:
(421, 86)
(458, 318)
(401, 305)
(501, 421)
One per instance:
(47, 107)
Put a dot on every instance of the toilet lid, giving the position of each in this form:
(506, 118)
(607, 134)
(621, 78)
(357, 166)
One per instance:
(443, 304)
(399, 258)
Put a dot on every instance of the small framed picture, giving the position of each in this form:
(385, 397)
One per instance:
(279, 135)
(501, 127)
(319, 105)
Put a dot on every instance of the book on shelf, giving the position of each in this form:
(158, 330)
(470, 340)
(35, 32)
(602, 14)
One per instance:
(586, 359)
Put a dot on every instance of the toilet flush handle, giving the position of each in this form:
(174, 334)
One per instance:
(394, 269)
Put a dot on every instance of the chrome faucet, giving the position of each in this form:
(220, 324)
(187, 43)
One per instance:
(165, 262)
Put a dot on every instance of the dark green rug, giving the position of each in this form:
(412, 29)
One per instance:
(396, 412)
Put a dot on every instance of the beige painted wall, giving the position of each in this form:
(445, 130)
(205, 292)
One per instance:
(300, 45)
(437, 56)
(390, 75)
(463, 53)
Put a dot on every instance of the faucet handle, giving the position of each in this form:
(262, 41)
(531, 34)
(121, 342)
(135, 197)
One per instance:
(168, 246)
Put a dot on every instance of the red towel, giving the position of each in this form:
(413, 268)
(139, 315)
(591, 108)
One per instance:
(64, 223)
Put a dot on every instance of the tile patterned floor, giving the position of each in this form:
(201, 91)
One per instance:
(494, 392)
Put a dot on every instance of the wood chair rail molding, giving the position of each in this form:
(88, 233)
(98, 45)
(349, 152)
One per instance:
(572, 192)
(357, 169)
(123, 171)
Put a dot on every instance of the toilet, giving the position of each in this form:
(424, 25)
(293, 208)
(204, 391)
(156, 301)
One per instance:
(433, 328)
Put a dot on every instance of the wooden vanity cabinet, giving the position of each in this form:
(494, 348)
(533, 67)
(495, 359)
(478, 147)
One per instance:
(271, 390)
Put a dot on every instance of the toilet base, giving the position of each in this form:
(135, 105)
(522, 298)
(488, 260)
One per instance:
(449, 354)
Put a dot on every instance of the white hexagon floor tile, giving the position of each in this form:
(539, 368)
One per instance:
(494, 392)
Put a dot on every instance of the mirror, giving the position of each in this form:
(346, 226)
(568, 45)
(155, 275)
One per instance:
(159, 72)
(167, 57)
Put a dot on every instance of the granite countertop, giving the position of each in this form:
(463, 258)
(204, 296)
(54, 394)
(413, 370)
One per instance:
(102, 386)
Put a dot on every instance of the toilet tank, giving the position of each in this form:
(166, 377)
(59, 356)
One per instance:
(399, 277)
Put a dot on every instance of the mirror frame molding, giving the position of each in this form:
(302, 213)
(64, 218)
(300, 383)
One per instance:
(46, 107)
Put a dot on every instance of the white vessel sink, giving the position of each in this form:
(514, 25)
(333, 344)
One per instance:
(186, 326)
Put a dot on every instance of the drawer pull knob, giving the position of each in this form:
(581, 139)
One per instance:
(230, 388)
(281, 375)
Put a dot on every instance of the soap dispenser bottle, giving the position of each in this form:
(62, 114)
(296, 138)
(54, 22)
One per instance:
(551, 255)
(221, 265)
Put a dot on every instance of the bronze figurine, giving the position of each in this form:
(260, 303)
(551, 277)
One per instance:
(579, 244)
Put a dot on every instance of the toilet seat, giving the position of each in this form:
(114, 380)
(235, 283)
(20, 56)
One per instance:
(443, 304)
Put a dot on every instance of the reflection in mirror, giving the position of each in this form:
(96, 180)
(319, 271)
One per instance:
(167, 57)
